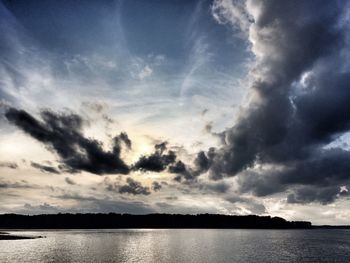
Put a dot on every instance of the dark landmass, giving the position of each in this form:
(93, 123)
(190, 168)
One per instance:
(7, 236)
(14, 237)
(332, 227)
(112, 220)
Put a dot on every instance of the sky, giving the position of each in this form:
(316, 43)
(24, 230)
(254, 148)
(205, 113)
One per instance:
(191, 106)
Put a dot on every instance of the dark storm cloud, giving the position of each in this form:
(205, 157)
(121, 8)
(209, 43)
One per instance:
(204, 160)
(156, 186)
(45, 168)
(182, 171)
(308, 194)
(320, 175)
(125, 139)
(157, 161)
(217, 187)
(300, 87)
(62, 134)
(201, 164)
(131, 187)
(178, 168)
(134, 187)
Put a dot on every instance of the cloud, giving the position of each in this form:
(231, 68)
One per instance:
(298, 100)
(70, 181)
(204, 160)
(204, 112)
(181, 169)
(18, 184)
(97, 107)
(156, 186)
(208, 128)
(216, 187)
(10, 165)
(308, 194)
(250, 204)
(145, 72)
(131, 187)
(134, 187)
(123, 137)
(62, 133)
(156, 162)
(91, 204)
(202, 163)
(171, 198)
(44, 208)
(86, 204)
(45, 168)
(231, 12)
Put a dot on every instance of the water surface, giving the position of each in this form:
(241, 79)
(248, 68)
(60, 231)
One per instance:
(174, 245)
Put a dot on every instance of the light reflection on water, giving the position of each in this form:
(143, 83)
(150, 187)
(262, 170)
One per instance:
(174, 245)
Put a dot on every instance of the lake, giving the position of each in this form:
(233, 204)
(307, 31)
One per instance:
(179, 245)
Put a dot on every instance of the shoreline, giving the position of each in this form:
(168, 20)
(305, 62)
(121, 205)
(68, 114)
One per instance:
(8, 236)
(156, 221)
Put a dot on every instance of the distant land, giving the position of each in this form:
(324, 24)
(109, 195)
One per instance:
(112, 220)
